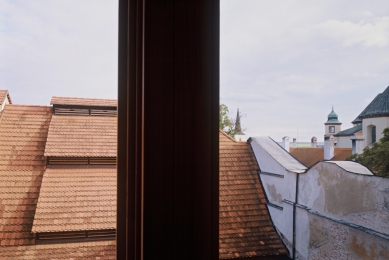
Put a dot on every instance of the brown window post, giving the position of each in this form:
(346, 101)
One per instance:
(168, 139)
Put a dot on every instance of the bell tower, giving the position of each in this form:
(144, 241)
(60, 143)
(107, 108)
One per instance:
(332, 126)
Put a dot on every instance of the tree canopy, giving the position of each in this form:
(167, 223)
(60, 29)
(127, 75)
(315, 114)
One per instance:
(376, 157)
(226, 123)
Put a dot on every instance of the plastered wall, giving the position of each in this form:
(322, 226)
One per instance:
(343, 142)
(339, 214)
(379, 122)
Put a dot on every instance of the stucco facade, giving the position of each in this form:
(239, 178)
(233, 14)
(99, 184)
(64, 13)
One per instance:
(379, 122)
(341, 210)
(343, 142)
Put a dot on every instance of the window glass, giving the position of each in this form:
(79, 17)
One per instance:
(373, 134)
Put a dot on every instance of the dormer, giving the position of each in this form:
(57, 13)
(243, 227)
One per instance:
(84, 106)
(82, 132)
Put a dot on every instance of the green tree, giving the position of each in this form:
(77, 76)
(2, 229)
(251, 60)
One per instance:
(225, 122)
(375, 157)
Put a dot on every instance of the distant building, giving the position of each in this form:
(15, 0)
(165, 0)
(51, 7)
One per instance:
(332, 126)
(239, 135)
(368, 125)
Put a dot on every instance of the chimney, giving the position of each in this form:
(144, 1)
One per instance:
(328, 148)
(357, 143)
(285, 143)
(314, 142)
(294, 143)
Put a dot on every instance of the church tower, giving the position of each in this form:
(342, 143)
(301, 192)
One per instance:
(239, 135)
(332, 126)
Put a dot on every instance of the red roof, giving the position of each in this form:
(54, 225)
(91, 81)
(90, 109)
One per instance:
(246, 229)
(310, 156)
(95, 102)
(23, 132)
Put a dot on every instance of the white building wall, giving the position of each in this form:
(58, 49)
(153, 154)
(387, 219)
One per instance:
(339, 214)
(342, 215)
(278, 188)
(344, 142)
(379, 122)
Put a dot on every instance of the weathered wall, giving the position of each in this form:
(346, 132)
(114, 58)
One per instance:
(328, 239)
(339, 214)
(359, 199)
(277, 188)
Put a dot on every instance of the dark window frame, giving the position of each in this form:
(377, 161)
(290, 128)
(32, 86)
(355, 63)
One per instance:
(171, 46)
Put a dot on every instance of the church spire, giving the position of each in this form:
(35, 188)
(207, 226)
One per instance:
(238, 129)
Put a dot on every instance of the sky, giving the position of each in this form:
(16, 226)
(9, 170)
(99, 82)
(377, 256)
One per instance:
(283, 63)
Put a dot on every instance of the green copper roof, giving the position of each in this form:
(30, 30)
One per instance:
(332, 117)
(378, 107)
(350, 131)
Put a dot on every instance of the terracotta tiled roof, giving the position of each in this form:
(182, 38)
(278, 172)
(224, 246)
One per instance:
(95, 102)
(89, 250)
(3, 95)
(82, 136)
(310, 156)
(23, 132)
(341, 154)
(76, 199)
(246, 229)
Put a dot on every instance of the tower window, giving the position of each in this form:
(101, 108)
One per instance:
(332, 129)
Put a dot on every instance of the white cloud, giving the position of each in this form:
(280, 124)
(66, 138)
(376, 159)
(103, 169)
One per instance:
(373, 33)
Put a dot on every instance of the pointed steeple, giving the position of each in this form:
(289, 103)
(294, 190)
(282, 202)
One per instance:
(238, 129)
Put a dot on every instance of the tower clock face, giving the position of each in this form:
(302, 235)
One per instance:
(332, 129)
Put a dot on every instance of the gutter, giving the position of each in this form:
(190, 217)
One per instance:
(294, 217)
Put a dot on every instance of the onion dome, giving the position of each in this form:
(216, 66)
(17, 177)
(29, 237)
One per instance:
(332, 117)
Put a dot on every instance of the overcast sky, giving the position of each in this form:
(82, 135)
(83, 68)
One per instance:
(284, 63)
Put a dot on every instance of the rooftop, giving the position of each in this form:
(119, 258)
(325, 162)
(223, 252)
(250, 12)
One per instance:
(74, 199)
(279, 154)
(246, 229)
(332, 117)
(310, 156)
(3, 95)
(40, 199)
(378, 107)
(82, 136)
(23, 133)
(350, 131)
(72, 101)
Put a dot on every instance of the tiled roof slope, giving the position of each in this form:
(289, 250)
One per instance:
(95, 102)
(246, 229)
(23, 132)
(89, 250)
(82, 136)
(379, 106)
(350, 131)
(3, 95)
(310, 156)
(76, 199)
